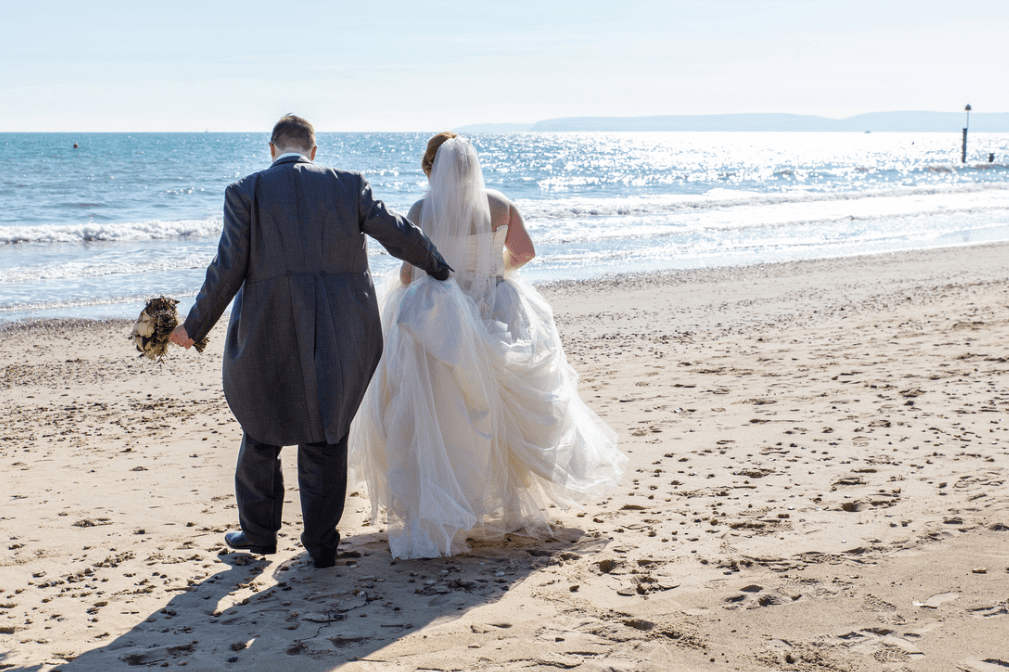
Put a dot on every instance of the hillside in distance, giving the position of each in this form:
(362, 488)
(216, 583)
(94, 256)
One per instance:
(917, 122)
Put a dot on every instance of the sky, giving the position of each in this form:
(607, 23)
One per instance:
(428, 65)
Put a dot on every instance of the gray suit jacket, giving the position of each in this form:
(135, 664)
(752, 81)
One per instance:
(305, 336)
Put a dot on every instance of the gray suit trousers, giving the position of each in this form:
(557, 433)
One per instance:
(322, 480)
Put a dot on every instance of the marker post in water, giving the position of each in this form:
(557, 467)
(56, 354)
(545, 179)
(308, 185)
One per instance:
(963, 151)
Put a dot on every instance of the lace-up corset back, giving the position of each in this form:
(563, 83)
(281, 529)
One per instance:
(484, 243)
(483, 251)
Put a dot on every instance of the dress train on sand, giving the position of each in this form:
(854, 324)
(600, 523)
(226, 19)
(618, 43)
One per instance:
(472, 424)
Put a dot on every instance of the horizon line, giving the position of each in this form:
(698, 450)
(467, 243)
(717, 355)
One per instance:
(567, 118)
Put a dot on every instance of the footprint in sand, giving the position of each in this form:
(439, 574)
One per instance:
(754, 596)
(1001, 609)
(936, 600)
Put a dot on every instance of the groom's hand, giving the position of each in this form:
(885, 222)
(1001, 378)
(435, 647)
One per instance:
(180, 337)
(441, 273)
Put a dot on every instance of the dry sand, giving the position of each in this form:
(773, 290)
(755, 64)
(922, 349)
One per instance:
(817, 482)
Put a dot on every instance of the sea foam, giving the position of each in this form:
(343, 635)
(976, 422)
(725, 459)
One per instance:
(130, 232)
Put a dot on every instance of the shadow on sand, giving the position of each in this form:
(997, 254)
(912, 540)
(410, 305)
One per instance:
(266, 615)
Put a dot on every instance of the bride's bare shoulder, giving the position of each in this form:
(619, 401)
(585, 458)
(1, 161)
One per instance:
(500, 208)
(415, 210)
(497, 198)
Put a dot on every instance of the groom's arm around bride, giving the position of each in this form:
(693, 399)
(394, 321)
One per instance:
(304, 336)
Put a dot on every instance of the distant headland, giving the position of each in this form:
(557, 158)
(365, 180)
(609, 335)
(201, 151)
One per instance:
(916, 122)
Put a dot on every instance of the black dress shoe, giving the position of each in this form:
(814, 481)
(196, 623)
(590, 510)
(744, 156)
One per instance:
(239, 542)
(326, 559)
(328, 556)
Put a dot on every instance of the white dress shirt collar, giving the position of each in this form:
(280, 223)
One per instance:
(287, 154)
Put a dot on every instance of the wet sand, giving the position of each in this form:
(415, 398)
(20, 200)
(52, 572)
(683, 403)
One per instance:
(817, 482)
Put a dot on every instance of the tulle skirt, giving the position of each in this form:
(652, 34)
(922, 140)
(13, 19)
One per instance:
(472, 424)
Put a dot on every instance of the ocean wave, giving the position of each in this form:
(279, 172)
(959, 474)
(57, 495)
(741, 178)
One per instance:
(721, 198)
(192, 229)
(778, 244)
(27, 308)
(96, 268)
(891, 215)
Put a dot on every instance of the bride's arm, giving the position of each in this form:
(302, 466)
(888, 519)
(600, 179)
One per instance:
(519, 248)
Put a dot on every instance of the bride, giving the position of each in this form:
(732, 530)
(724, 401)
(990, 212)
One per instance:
(472, 424)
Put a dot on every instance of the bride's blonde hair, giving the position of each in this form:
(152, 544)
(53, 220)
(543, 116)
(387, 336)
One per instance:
(427, 163)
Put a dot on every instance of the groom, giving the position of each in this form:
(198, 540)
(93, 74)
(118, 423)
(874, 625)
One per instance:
(304, 337)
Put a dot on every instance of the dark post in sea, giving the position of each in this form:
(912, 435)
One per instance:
(963, 151)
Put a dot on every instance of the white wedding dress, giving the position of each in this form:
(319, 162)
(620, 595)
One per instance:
(472, 424)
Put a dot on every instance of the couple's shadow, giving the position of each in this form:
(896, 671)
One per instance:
(307, 619)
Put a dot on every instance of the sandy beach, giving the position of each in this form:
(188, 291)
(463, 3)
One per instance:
(818, 457)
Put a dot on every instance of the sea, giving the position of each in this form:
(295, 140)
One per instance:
(94, 224)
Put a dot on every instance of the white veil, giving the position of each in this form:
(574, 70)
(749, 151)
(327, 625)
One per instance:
(455, 215)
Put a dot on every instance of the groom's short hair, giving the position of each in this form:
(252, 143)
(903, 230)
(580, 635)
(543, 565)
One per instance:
(293, 132)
